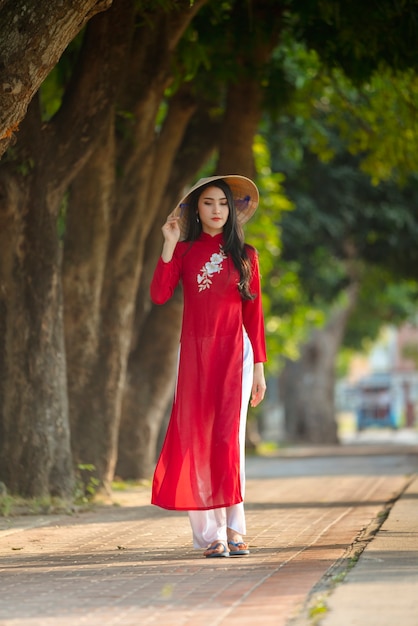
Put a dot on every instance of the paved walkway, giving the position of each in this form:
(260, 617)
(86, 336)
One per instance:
(383, 587)
(133, 564)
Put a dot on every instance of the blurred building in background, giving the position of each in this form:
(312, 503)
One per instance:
(381, 388)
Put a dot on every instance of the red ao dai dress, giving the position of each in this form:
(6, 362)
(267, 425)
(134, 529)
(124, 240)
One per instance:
(201, 463)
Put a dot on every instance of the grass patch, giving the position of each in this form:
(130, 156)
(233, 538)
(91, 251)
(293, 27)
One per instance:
(12, 506)
(266, 448)
(125, 485)
(87, 496)
(317, 611)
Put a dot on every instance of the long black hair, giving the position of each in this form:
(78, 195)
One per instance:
(233, 234)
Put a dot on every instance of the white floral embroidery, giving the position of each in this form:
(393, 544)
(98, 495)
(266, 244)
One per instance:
(213, 266)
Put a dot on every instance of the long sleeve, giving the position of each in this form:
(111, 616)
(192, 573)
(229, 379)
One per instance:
(252, 313)
(165, 279)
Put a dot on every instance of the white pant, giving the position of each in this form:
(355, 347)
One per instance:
(209, 526)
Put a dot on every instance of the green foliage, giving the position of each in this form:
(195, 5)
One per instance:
(62, 216)
(87, 484)
(25, 167)
(204, 52)
(11, 506)
(338, 206)
(6, 505)
(222, 45)
(291, 316)
(343, 224)
(411, 352)
(359, 37)
(263, 233)
(318, 611)
(381, 124)
(53, 87)
(51, 93)
(378, 121)
(392, 303)
(85, 491)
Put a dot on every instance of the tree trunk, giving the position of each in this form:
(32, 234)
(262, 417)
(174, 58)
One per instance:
(33, 37)
(85, 252)
(307, 385)
(149, 389)
(35, 457)
(245, 93)
(239, 126)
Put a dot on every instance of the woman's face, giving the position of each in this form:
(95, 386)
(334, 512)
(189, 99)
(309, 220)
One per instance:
(213, 210)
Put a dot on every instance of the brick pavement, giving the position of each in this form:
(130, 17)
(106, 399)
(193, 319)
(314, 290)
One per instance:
(133, 564)
(382, 589)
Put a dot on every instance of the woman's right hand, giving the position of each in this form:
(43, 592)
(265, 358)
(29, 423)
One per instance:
(171, 230)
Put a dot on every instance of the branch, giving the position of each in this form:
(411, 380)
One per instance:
(181, 108)
(33, 37)
(150, 72)
(90, 97)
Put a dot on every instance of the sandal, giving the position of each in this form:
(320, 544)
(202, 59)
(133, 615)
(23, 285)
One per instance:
(236, 550)
(224, 552)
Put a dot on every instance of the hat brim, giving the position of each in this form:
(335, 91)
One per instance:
(244, 192)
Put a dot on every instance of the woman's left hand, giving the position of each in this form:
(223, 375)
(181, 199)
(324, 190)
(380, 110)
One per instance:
(259, 385)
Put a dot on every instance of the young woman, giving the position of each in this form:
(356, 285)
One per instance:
(220, 368)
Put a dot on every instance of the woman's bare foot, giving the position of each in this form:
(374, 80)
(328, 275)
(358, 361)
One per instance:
(236, 544)
(216, 548)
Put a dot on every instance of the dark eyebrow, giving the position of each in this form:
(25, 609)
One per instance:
(212, 198)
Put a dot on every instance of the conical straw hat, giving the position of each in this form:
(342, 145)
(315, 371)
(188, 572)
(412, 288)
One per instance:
(244, 191)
